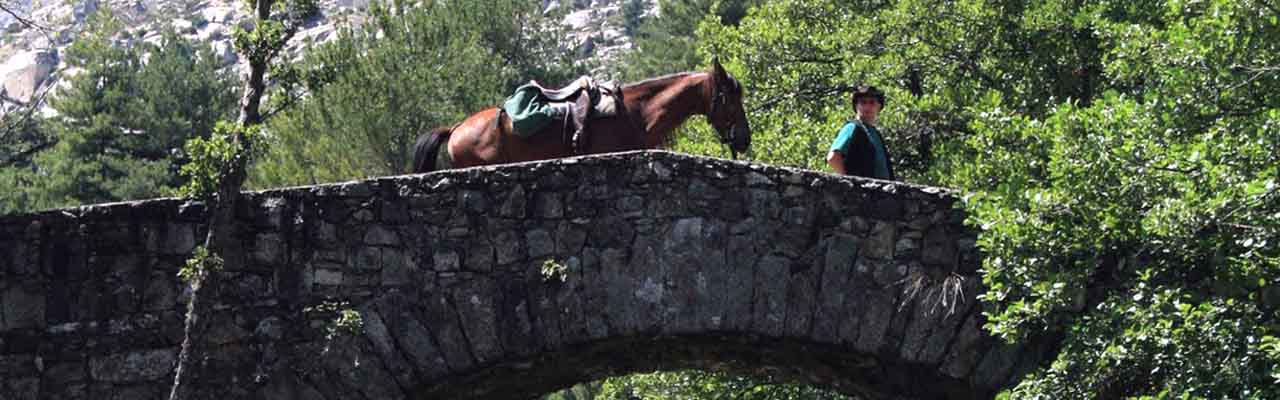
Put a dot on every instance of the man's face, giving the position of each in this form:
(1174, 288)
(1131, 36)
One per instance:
(867, 107)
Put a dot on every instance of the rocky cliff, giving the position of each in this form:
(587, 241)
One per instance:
(32, 56)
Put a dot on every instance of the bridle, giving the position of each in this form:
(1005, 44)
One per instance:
(720, 100)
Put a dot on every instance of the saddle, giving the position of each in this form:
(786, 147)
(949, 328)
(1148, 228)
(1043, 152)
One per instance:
(534, 106)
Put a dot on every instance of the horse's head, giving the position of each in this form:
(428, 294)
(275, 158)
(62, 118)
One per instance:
(726, 112)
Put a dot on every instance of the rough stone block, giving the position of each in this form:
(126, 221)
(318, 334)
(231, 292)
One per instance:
(65, 373)
(440, 314)
(328, 277)
(397, 267)
(412, 336)
(540, 243)
(837, 264)
(570, 238)
(480, 256)
(378, 235)
(384, 345)
(326, 233)
(549, 205)
(270, 328)
(135, 366)
(596, 266)
(286, 385)
(770, 296)
(514, 203)
(446, 261)
(922, 318)
(802, 292)
(352, 359)
(395, 211)
(226, 329)
(17, 364)
(880, 243)
(739, 282)
(268, 249)
(962, 356)
(996, 366)
(764, 204)
(874, 322)
(611, 232)
(473, 201)
(22, 389)
(568, 306)
(122, 266)
(939, 248)
(367, 258)
(180, 239)
(545, 308)
(756, 179)
(509, 246)
(24, 307)
(515, 327)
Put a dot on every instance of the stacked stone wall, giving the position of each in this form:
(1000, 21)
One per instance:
(509, 281)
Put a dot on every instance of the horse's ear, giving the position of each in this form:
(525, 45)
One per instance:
(716, 67)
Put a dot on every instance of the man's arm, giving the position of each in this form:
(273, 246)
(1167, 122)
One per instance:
(836, 161)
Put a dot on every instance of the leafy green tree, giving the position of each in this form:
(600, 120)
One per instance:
(219, 169)
(1121, 160)
(632, 14)
(665, 43)
(1142, 226)
(704, 385)
(121, 121)
(409, 69)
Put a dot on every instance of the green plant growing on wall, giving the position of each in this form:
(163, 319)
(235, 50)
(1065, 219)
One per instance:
(348, 322)
(201, 264)
(553, 270)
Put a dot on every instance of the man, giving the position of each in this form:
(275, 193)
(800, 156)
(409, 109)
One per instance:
(859, 149)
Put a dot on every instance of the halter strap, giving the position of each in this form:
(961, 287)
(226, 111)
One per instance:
(717, 97)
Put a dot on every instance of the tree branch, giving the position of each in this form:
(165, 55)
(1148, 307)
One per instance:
(21, 20)
(820, 91)
(24, 117)
(1274, 8)
(25, 154)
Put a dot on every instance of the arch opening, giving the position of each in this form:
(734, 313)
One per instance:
(830, 367)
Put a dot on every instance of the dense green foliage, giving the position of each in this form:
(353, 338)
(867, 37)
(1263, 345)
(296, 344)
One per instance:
(1120, 158)
(120, 122)
(369, 94)
(666, 43)
(704, 385)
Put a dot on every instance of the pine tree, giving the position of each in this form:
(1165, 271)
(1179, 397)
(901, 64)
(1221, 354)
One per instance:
(121, 121)
(407, 70)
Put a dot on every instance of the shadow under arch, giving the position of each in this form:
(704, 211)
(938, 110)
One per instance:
(824, 366)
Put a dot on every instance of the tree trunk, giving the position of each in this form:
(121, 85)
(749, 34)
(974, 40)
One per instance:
(220, 240)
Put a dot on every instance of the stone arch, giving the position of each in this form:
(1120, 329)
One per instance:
(656, 261)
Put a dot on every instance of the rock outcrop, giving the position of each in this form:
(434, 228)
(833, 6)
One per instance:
(31, 56)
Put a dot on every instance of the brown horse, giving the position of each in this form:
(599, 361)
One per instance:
(652, 110)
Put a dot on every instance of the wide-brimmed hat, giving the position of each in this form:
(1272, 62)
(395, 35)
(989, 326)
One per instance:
(867, 91)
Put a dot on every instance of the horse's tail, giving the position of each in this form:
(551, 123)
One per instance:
(425, 151)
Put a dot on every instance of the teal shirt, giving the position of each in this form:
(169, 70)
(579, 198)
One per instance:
(845, 139)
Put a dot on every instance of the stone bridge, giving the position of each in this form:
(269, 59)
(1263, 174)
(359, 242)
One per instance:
(510, 282)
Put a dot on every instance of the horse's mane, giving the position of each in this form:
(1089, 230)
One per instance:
(660, 79)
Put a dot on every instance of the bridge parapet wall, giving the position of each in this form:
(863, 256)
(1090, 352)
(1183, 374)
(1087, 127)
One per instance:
(507, 281)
